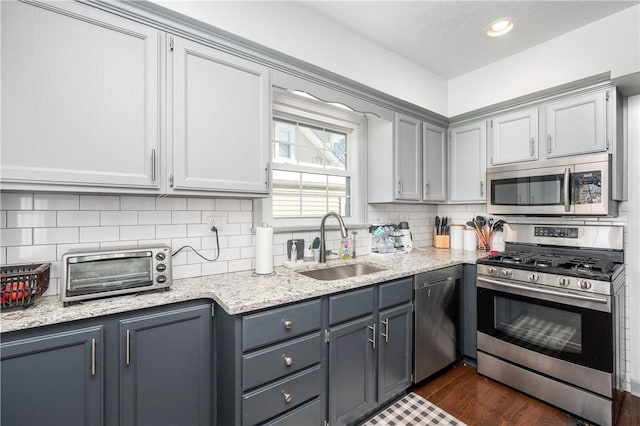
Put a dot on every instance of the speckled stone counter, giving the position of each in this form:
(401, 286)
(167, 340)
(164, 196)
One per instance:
(240, 292)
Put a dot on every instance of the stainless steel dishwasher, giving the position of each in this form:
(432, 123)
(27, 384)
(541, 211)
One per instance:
(436, 296)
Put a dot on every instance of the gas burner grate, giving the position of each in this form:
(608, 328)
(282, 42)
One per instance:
(589, 265)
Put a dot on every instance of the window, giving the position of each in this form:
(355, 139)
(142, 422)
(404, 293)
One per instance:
(315, 159)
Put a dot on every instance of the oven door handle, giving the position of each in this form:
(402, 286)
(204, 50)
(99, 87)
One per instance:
(543, 291)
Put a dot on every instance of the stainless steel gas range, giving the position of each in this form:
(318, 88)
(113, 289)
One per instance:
(550, 316)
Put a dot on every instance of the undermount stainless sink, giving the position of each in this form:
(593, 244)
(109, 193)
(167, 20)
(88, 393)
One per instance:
(343, 271)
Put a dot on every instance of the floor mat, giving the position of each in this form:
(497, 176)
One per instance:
(413, 410)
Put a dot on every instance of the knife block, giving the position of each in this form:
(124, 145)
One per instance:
(440, 241)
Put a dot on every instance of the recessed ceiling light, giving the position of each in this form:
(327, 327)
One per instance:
(500, 27)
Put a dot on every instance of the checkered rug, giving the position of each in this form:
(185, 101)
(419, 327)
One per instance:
(413, 410)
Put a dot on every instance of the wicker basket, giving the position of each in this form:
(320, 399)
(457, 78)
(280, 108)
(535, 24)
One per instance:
(21, 285)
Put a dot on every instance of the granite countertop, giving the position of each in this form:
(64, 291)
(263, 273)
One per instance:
(240, 292)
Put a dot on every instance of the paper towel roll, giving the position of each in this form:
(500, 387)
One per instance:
(264, 250)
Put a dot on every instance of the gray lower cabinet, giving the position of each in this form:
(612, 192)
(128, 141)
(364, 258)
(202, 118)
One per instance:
(352, 371)
(54, 379)
(165, 368)
(395, 351)
(370, 348)
(149, 367)
(271, 366)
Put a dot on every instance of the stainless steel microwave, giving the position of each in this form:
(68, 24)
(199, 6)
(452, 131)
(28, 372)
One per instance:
(571, 186)
(114, 271)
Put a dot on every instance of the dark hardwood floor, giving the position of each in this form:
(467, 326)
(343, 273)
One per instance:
(477, 400)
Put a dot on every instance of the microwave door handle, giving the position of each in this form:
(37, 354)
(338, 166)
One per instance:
(567, 177)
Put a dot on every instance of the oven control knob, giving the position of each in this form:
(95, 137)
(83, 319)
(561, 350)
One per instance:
(161, 279)
(492, 271)
(161, 267)
(564, 281)
(534, 277)
(160, 256)
(507, 273)
(584, 284)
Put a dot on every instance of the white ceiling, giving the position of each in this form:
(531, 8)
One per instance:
(447, 37)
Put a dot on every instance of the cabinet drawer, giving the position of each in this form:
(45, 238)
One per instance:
(281, 396)
(396, 292)
(308, 414)
(269, 364)
(353, 304)
(279, 324)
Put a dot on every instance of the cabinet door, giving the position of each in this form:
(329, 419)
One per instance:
(408, 141)
(222, 121)
(352, 370)
(395, 351)
(513, 137)
(80, 98)
(165, 368)
(55, 379)
(576, 125)
(468, 162)
(434, 163)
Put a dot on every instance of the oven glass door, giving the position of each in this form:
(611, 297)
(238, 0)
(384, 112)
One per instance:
(104, 275)
(574, 334)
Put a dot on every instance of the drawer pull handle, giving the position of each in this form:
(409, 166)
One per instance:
(287, 397)
(288, 324)
(128, 349)
(288, 361)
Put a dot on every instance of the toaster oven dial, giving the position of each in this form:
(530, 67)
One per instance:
(160, 256)
(533, 276)
(161, 279)
(507, 273)
(584, 284)
(564, 281)
(492, 271)
(161, 267)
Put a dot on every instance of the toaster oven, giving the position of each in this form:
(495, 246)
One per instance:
(114, 271)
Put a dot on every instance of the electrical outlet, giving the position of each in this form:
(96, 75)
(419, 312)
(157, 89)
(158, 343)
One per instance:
(299, 248)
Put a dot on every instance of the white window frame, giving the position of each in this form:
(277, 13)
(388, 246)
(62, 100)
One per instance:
(294, 108)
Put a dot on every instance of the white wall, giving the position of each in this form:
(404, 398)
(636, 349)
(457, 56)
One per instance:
(633, 247)
(610, 44)
(295, 30)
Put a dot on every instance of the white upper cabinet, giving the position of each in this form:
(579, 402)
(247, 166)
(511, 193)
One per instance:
(513, 137)
(408, 144)
(81, 99)
(467, 154)
(221, 121)
(434, 170)
(576, 125)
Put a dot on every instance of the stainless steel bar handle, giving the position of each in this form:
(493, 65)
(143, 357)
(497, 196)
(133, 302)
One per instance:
(373, 341)
(400, 187)
(153, 165)
(428, 188)
(287, 397)
(93, 357)
(288, 324)
(532, 147)
(543, 291)
(567, 202)
(481, 188)
(128, 350)
(548, 144)
(386, 329)
(288, 360)
(266, 176)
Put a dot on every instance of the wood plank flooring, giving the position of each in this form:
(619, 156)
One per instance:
(477, 400)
